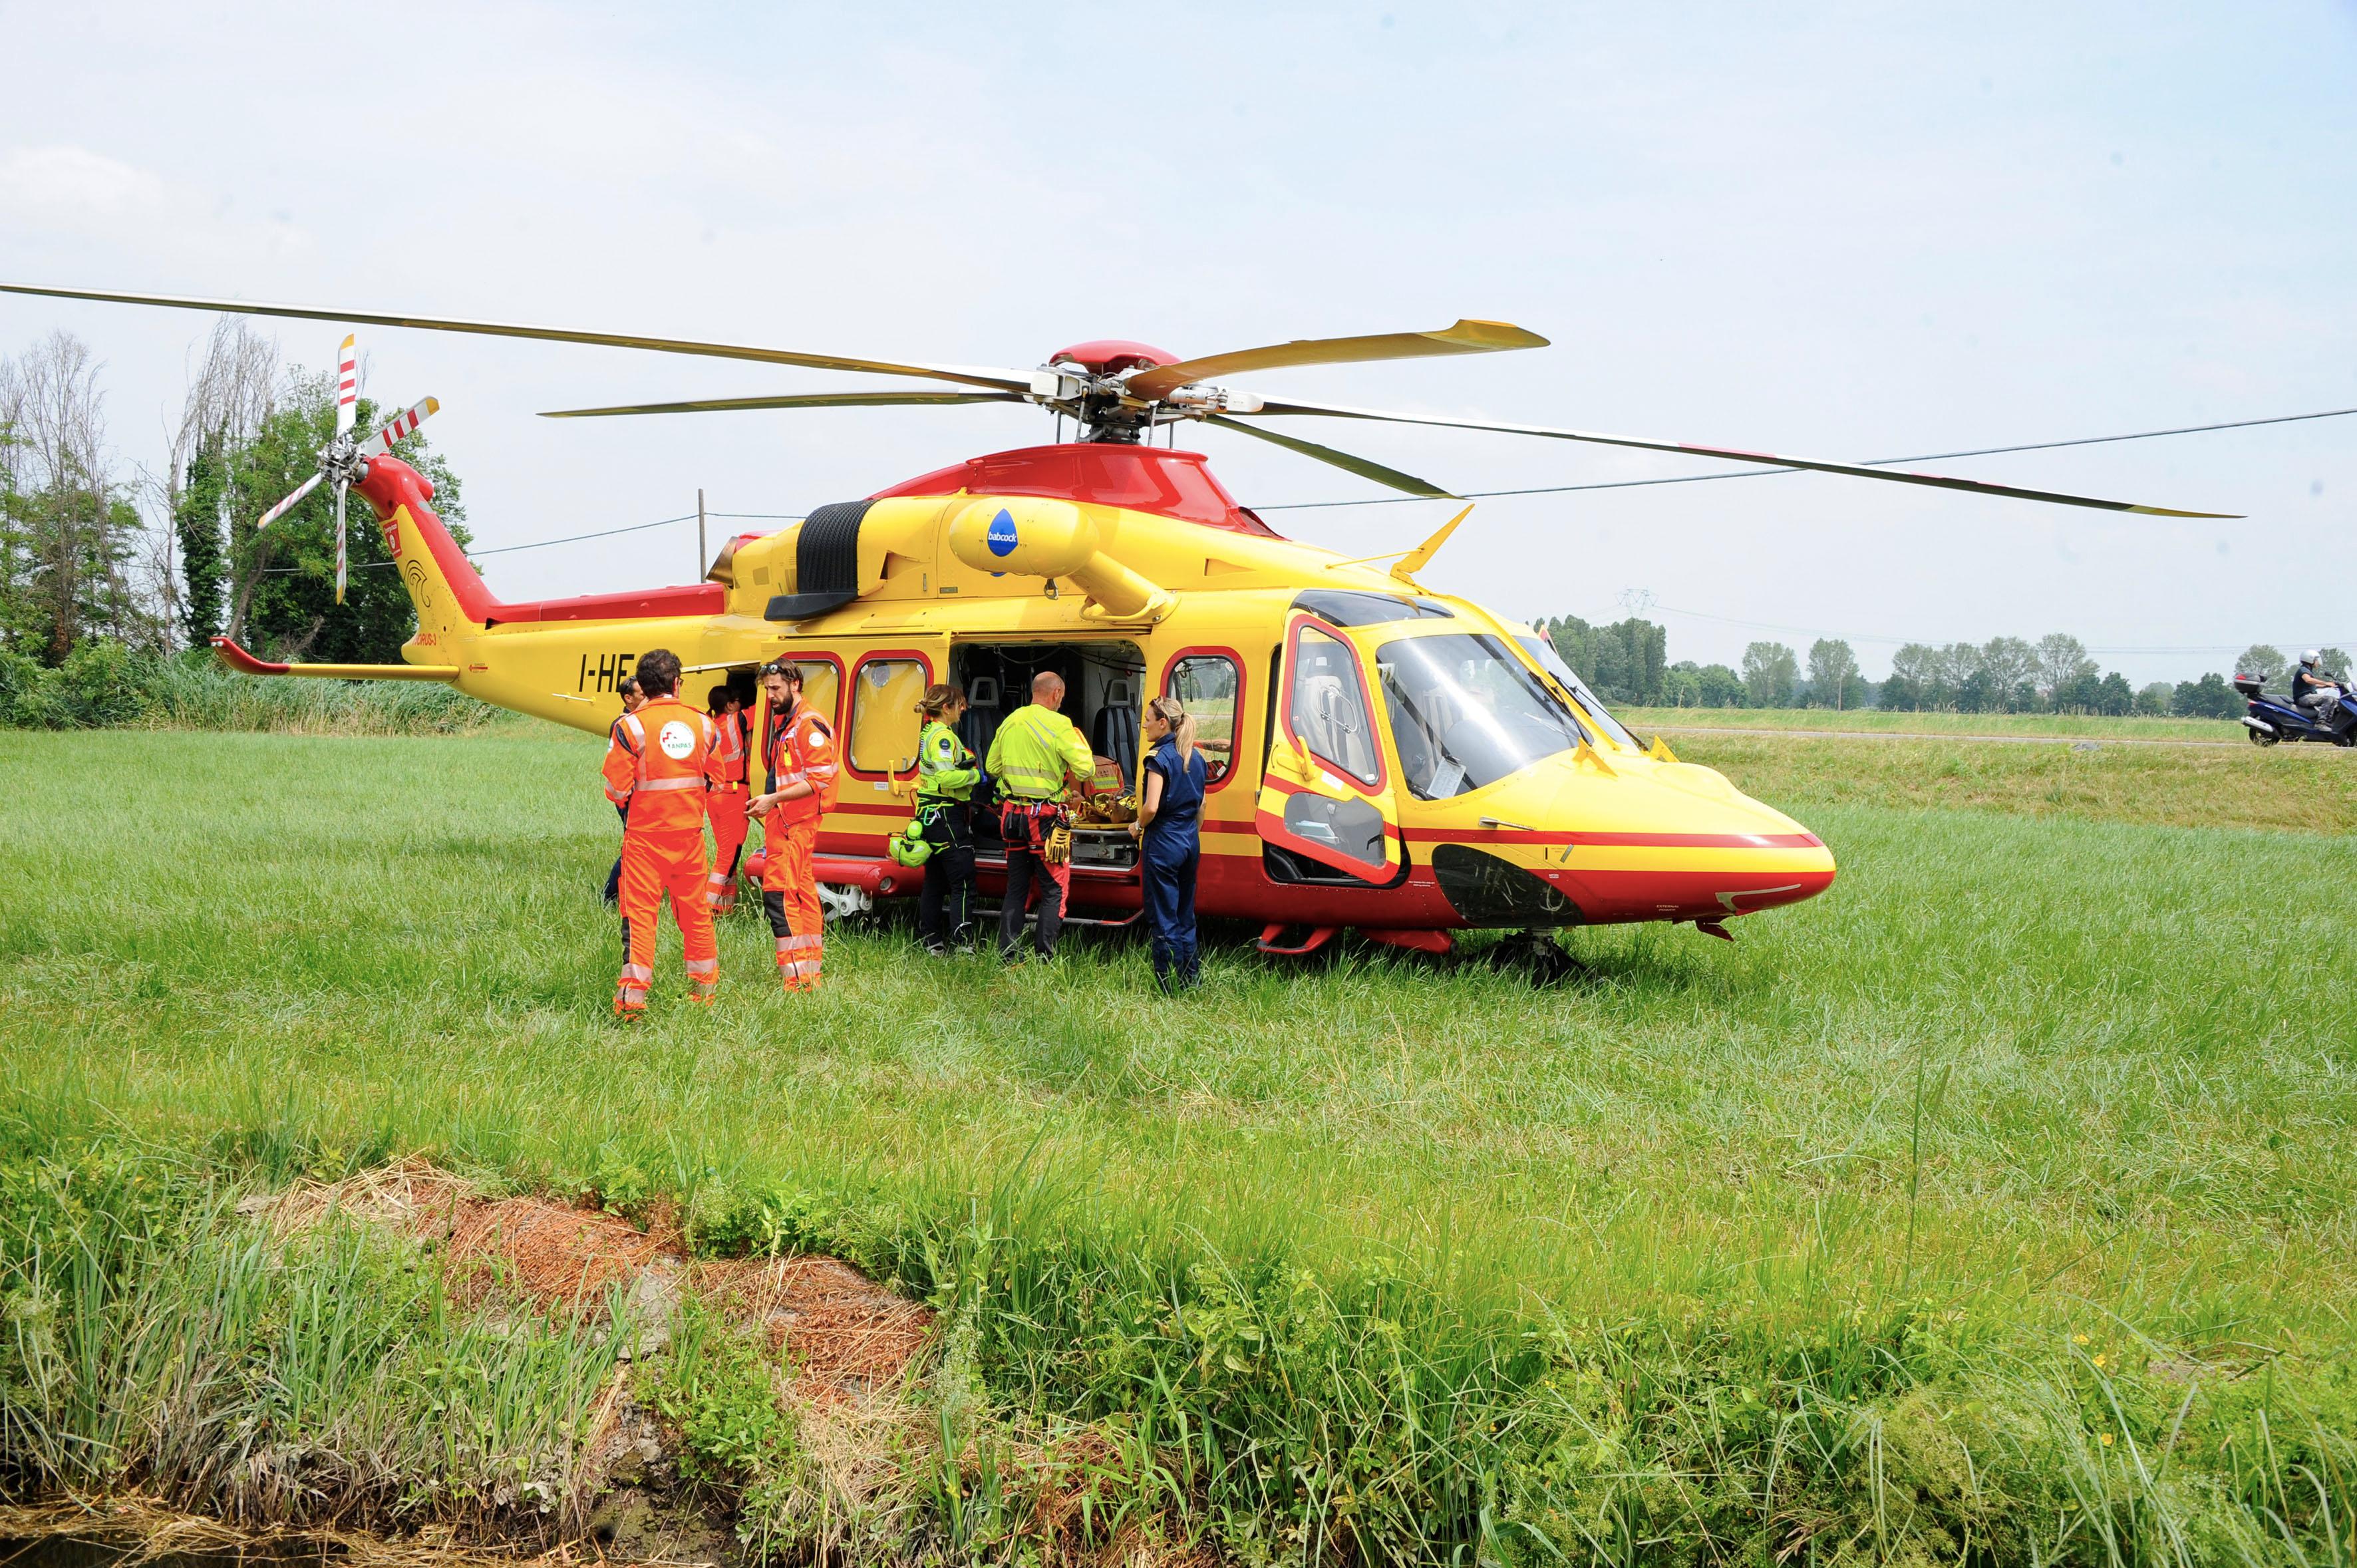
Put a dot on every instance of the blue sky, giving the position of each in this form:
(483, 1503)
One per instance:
(1852, 232)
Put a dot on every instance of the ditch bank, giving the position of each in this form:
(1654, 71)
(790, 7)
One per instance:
(399, 1367)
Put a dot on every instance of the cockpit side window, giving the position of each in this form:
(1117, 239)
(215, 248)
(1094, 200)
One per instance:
(1327, 707)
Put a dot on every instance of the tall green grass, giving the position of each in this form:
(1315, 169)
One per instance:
(207, 697)
(1809, 1244)
(107, 685)
(151, 1341)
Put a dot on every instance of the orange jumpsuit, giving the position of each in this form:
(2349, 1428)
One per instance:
(660, 764)
(727, 806)
(801, 748)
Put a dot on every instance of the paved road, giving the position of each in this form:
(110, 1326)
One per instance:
(2088, 743)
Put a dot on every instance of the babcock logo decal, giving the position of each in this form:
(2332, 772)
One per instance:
(1001, 537)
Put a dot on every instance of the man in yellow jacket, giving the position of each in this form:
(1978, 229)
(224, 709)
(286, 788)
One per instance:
(1037, 753)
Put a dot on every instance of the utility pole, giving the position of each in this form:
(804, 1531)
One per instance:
(702, 560)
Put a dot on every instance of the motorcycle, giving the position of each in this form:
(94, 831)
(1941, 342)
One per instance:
(2271, 720)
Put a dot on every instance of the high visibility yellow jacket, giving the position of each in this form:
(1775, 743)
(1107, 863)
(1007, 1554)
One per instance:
(946, 770)
(1035, 748)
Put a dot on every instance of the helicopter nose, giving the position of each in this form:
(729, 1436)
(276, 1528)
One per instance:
(1573, 843)
(1672, 841)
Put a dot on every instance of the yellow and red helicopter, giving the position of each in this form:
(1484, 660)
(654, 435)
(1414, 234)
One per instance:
(1386, 756)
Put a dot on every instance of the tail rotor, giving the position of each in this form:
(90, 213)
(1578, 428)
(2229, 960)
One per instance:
(345, 460)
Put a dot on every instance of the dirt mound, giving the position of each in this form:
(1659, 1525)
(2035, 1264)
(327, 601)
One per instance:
(844, 1335)
(840, 1330)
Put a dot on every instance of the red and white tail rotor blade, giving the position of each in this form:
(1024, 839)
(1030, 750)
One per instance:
(341, 487)
(381, 444)
(348, 384)
(283, 508)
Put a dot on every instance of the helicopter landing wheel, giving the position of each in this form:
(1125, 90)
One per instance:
(1537, 954)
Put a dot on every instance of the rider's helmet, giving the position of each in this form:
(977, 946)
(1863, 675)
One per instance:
(909, 846)
(2314, 656)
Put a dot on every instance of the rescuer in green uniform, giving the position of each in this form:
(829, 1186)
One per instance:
(947, 780)
(1035, 753)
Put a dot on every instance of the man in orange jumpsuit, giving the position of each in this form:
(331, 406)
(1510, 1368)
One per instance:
(800, 754)
(659, 765)
(728, 803)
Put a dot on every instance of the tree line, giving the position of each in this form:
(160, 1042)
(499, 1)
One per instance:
(1627, 661)
(103, 561)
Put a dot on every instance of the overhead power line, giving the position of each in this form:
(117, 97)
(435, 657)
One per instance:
(1869, 463)
(635, 528)
(575, 538)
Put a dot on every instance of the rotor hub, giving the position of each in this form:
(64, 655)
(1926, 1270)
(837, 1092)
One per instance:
(1112, 356)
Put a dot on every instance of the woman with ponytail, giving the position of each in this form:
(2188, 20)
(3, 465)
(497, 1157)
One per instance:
(1168, 839)
(947, 777)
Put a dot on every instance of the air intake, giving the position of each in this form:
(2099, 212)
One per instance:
(826, 562)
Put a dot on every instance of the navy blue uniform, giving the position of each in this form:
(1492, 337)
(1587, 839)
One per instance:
(1172, 851)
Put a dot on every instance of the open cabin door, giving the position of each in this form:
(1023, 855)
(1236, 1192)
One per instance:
(1326, 790)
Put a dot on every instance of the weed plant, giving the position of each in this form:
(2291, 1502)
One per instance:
(1979, 1209)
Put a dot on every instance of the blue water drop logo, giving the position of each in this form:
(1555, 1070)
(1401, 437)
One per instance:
(1001, 537)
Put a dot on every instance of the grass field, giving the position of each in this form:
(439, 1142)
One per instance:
(1874, 721)
(1979, 1209)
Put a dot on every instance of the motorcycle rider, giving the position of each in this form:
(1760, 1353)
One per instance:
(2315, 691)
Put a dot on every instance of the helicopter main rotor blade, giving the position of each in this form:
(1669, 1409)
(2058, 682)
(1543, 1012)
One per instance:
(812, 399)
(1733, 455)
(981, 376)
(1465, 338)
(1358, 466)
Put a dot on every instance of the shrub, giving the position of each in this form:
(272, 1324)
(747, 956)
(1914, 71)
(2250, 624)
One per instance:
(106, 684)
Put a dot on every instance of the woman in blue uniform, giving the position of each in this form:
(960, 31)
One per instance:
(1168, 839)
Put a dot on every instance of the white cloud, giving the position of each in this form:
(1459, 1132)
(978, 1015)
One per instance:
(62, 184)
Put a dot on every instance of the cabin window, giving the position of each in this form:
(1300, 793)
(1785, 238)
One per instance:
(1206, 685)
(1327, 708)
(821, 680)
(884, 695)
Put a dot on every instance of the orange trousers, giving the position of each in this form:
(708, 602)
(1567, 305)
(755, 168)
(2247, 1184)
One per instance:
(729, 829)
(654, 864)
(790, 895)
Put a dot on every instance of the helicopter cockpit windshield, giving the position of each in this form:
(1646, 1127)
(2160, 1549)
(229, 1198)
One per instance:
(1466, 712)
(1544, 654)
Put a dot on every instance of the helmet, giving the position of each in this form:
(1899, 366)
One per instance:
(2313, 655)
(909, 846)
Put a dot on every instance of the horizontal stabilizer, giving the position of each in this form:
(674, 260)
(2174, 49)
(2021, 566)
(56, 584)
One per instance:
(245, 663)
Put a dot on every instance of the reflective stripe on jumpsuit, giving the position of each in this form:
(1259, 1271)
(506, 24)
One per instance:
(801, 751)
